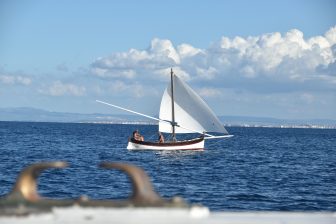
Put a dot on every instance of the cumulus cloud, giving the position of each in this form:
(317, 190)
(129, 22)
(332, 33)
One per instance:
(270, 59)
(113, 73)
(289, 57)
(61, 89)
(161, 54)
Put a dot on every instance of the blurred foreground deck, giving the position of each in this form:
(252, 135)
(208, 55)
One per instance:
(169, 215)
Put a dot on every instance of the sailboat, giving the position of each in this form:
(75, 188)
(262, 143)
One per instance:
(182, 111)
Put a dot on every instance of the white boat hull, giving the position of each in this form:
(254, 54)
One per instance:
(193, 144)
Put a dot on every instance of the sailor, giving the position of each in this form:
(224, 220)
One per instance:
(137, 136)
(161, 138)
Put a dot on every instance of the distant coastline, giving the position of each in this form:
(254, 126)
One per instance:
(226, 125)
(25, 114)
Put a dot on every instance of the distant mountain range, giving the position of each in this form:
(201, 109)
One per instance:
(38, 115)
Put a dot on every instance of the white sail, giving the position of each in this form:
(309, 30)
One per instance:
(191, 111)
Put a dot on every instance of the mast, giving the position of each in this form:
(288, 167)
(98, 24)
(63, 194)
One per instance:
(172, 97)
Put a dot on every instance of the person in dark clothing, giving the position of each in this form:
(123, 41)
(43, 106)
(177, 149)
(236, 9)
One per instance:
(137, 136)
(161, 138)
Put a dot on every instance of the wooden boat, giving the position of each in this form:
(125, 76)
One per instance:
(182, 111)
(192, 144)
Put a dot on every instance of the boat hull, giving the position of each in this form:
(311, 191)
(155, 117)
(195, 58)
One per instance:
(193, 144)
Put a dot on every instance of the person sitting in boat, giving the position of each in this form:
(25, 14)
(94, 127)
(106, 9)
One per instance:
(137, 136)
(161, 138)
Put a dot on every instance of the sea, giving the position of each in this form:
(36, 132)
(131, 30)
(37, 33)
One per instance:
(259, 169)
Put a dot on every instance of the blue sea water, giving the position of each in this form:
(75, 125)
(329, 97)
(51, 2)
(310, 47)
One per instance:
(258, 169)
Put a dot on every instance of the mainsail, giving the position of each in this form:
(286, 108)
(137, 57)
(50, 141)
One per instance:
(191, 112)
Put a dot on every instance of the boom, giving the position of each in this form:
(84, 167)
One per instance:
(158, 119)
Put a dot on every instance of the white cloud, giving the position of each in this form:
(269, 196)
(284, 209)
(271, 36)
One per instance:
(15, 79)
(331, 35)
(61, 89)
(209, 92)
(6, 79)
(165, 73)
(289, 59)
(207, 73)
(134, 90)
(161, 54)
(164, 49)
(113, 73)
(186, 50)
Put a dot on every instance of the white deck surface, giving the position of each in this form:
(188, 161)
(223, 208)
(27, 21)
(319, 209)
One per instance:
(169, 215)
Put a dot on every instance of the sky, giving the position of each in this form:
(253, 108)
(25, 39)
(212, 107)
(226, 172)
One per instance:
(245, 58)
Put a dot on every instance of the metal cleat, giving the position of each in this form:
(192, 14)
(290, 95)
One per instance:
(24, 198)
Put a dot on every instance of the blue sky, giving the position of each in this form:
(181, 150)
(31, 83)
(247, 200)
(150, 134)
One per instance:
(253, 58)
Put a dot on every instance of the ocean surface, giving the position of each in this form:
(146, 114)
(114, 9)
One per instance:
(269, 169)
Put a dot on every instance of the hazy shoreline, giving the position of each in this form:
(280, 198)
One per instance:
(26, 114)
(150, 123)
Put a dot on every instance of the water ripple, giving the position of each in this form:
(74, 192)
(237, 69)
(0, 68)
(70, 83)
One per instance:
(258, 169)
